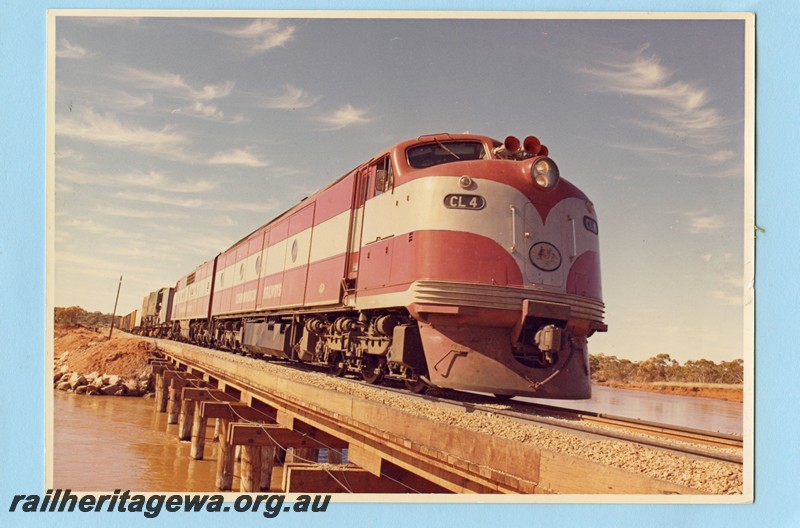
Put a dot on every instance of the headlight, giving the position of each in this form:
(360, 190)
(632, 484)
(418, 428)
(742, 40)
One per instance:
(544, 173)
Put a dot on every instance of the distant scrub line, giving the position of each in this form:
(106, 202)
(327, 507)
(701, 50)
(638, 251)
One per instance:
(662, 368)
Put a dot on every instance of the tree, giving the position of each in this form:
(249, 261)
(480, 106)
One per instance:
(659, 368)
(75, 315)
(69, 315)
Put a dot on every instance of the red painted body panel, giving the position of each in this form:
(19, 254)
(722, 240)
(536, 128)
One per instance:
(375, 265)
(584, 276)
(463, 354)
(302, 219)
(294, 286)
(436, 255)
(334, 200)
(269, 289)
(324, 280)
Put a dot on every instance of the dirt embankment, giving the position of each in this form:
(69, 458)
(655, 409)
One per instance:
(86, 358)
(735, 394)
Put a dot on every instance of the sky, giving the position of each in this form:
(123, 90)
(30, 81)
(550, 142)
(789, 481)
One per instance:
(176, 137)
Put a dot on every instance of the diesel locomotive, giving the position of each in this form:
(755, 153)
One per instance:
(450, 260)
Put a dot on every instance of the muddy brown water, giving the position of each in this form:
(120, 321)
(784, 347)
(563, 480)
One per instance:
(103, 443)
(686, 411)
(107, 443)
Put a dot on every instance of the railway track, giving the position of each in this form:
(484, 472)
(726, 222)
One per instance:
(688, 441)
(684, 440)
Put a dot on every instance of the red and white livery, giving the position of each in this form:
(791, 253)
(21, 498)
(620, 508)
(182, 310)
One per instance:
(449, 260)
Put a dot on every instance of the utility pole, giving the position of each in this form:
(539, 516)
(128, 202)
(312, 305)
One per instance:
(114, 315)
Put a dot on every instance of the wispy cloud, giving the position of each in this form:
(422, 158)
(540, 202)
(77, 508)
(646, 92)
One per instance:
(246, 157)
(160, 182)
(704, 222)
(133, 101)
(262, 34)
(201, 109)
(174, 84)
(721, 156)
(292, 98)
(345, 116)
(86, 226)
(197, 203)
(139, 213)
(195, 100)
(107, 130)
(677, 107)
(68, 50)
(158, 198)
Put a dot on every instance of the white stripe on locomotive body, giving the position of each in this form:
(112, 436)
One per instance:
(197, 289)
(219, 280)
(251, 270)
(297, 250)
(276, 258)
(330, 237)
(238, 272)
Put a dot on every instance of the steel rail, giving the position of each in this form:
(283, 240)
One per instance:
(664, 436)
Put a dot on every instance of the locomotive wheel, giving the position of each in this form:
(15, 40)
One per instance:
(337, 365)
(414, 383)
(373, 369)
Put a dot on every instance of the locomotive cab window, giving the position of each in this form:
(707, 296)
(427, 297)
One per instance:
(384, 177)
(440, 152)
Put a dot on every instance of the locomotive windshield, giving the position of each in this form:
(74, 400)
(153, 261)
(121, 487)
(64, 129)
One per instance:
(440, 152)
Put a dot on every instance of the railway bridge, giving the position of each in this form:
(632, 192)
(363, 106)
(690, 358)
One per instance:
(279, 429)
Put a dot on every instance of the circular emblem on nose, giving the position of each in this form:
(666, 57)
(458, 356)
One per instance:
(545, 256)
